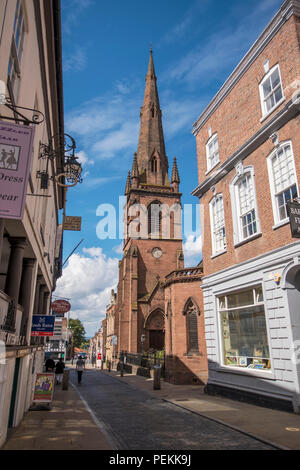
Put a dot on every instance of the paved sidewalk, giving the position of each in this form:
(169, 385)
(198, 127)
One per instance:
(67, 426)
(276, 427)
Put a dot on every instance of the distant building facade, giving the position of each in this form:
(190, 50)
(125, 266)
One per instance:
(31, 247)
(248, 152)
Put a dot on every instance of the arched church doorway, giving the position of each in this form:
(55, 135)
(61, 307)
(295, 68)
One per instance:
(155, 331)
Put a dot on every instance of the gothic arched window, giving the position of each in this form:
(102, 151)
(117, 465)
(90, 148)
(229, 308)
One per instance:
(154, 219)
(191, 313)
(154, 165)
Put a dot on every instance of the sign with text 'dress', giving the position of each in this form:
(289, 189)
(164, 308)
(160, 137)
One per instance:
(15, 159)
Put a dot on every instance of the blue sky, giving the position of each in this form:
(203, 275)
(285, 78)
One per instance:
(196, 45)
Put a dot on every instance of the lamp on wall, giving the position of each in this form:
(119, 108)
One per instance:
(70, 174)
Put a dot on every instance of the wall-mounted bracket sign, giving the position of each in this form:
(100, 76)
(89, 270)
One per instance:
(293, 210)
(42, 325)
(15, 158)
(60, 306)
(72, 223)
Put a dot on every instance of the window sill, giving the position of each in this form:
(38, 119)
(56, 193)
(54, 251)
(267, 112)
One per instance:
(218, 254)
(281, 223)
(215, 165)
(249, 239)
(265, 116)
(249, 372)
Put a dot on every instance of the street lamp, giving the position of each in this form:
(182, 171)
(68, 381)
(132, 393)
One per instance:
(71, 170)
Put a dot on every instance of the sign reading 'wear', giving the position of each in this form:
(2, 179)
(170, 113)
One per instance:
(15, 159)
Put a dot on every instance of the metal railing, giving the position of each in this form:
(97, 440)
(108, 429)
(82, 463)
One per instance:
(147, 360)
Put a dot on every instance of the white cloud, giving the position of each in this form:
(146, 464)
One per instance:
(192, 248)
(123, 138)
(118, 249)
(223, 49)
(184, 27)
(107, 124)
(87, 281)
(72, 11)
(76, 61)
(83, 158)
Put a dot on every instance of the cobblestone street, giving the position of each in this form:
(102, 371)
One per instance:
(138, 421)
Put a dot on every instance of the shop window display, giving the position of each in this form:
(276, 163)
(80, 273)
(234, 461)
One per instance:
(244, 330)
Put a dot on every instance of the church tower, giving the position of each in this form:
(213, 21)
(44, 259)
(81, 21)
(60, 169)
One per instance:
(153, 239)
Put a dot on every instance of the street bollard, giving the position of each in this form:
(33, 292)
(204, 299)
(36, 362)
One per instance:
(122, 369)
(102, 362)
(109, 365)
(65, 384)
(156, 378)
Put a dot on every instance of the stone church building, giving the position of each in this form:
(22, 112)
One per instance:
(159, 302)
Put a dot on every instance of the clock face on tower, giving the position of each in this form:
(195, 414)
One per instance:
(156, 252)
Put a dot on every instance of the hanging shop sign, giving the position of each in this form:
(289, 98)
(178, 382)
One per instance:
(43, 387)
(293, 210)
(72, 222)
(15, 159)
(60, 306)
(42, 325)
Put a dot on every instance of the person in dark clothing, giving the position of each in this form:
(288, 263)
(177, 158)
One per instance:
(59, 370)
(50, 364)
(80, 367)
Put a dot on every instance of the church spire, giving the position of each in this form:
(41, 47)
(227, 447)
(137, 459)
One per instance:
(151, 155)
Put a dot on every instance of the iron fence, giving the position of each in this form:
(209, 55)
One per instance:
(147, 360)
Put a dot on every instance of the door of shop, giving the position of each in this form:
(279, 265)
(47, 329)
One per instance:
(14, 393)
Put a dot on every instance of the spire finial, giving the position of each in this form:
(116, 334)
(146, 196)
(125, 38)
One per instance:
(128, 184)
(175, 173)
(135, 169)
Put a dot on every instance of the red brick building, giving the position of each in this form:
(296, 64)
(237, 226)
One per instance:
(152, 249)
(248, 152)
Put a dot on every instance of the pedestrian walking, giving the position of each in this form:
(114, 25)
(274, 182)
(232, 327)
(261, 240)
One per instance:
(59, 371)
(94, 360)
(50, 365)
(80, 367)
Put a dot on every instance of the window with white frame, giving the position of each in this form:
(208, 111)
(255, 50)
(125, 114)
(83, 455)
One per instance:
(244, 330)
(212, 152)
(217, 224)
(244, 206)
(16, 50)
(271, 90)
(283, 182)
